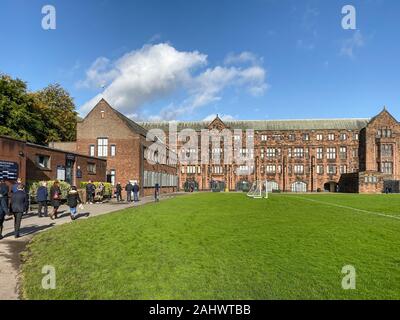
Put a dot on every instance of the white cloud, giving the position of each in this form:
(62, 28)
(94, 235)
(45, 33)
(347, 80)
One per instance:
(243, 57)
(349, 45)
(157, 71)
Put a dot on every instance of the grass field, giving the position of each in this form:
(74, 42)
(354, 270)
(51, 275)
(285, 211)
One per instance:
(225, 246)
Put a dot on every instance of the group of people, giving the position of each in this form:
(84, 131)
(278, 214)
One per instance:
(129, 188)
(17, 206)
(93, 193)
(18, 203)
(134, 188)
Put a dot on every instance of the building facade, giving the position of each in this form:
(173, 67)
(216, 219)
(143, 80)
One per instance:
(343, 155)
(109, 135)
(328, 155)
(32, 162)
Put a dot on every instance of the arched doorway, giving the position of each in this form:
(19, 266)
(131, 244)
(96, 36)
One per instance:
(299, 186)
(331, 186)
(243, 186)
(217, 186)
(191, 185)
(272, 186)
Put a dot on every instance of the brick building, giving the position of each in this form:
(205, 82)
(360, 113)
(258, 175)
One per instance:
(32, 162)
(109, 135)
(347, 155)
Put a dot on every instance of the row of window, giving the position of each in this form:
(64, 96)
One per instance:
(44, 162)
(300, 169)
(384, 133)
(304, 153)
(163, 179)
(306, 137)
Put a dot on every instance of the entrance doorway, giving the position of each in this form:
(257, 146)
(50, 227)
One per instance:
(69, 168)
(331, 186)
(217, 186)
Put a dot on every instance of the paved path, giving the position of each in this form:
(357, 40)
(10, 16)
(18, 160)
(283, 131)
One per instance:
(11, 248)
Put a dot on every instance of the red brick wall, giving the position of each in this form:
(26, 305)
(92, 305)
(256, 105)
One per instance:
(12, 150)
(128, 163)
(58, 158)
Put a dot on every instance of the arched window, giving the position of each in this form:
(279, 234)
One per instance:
(272, 186)
(299, 187)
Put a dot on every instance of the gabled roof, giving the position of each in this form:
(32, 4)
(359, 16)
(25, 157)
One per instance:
(383, 112)
(132, 125)
(269, 125)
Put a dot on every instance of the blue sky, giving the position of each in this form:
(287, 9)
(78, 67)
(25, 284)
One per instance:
(256, 59)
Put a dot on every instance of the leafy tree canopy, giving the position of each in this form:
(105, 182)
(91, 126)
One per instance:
(39, 117)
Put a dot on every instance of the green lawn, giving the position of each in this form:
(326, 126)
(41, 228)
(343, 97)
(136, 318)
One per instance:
(225, 246)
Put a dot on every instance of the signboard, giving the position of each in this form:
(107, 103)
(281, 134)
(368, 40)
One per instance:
(60, 173)
(8, 170)
(79, 173)
(70, 156)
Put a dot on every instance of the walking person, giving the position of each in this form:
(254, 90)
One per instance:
(41, 198)
(55, 197)
(73, 200)
(19, 205)
(157, 192)
(128, 189)
(136, 192)
(118, 192)
(90, 192)
(4, 190)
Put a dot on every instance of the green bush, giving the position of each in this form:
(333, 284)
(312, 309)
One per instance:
(108, 187)
(32, 187)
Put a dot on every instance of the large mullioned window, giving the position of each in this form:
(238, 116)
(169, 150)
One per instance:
(102, 147)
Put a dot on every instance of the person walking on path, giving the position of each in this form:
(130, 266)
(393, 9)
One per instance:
(157, 192)
(4, 190)
(118, 192)
(19, 205)
(129, 189)
(73, 200)
(90, 192)
(136, 192)
(41, 198)
(55, 197)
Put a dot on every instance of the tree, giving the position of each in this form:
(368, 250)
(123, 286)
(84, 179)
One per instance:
(19, 115)
(39, 117)
(58, 112)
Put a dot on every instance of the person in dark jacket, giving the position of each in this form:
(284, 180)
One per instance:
(157, 192)
(129, 189)
(136, 192)
(55, 198)
(90, 192)
(19, 205)
(15, 186)
(118, 192)
(41, 198)
(73, 200)
(4, 190)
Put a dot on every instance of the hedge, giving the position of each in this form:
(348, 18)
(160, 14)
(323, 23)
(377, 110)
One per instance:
(32, 187)
(108, 187)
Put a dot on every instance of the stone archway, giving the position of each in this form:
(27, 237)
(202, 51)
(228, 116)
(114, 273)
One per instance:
(331, 186)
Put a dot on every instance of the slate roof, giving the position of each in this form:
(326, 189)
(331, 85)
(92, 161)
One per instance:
(268, 125)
